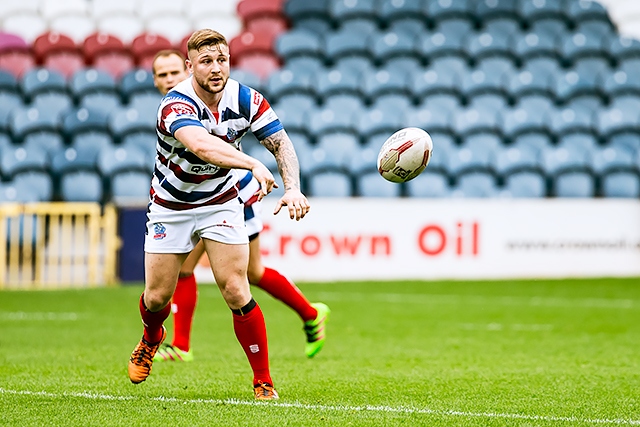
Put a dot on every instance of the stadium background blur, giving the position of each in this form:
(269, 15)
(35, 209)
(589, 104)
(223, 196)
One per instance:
(526, 99)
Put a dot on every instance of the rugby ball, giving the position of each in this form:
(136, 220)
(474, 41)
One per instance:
(405, 154)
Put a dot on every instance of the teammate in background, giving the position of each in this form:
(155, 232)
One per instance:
(194, 196)
(168, 70)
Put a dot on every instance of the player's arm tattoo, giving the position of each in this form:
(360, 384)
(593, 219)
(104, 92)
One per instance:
(282, 148)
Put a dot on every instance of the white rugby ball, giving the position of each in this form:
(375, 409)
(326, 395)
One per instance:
(405, 154)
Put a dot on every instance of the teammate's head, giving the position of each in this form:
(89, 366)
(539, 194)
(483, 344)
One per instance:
(208, 60)
(169, 69)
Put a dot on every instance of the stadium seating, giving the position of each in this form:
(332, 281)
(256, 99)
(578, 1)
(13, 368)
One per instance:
(531, 78)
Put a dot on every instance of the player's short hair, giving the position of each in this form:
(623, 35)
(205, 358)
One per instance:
(164, 53)
(205, 37)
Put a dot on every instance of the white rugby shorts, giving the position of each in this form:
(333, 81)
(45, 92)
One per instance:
(177, 232)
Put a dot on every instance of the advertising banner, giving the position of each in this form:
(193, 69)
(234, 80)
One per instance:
(382, 239)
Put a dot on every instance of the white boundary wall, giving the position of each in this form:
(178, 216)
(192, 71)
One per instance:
(353, 239)
(625, 14)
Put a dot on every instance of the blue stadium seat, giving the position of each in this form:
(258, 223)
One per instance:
(528, 85)
(335, 84)
(24, 121)
(71, 160)
(614, 121)
(569, 121)
(620, 184)
(456, 15)
(510, 160)
(469, 160)
(444, 50)
(570, 171)
(431, 83)
(407, 15)
(92, 141)
(338, 149)
(347, 47)
(312, 15)
(436, 121)
(293, 117)
(491, 87)
(42, 80)
(371, 184)
(38, 185)
(429, 184)
(130, 188)
(535, 141)
(614, 159)
(525, 184)
(285, 82)
(574, 184)
(502, 15)
(136, 81)
(582, 141)
(127, 121)
(323, 121)
(521, 121)
(492, 44)
(476, 184)
(545, 16)
(9, 102)
(301, 45)
(536, 44)
(585, 48)
(84, 120)
(247, 77)
(391, 85)
(629, 141)
(357, 15)
(49, 142)
(622, 89)
(143, 142)
(18, 159)
(330, 184)
(472, 121)
(621, 48)
(146, 103)
(82, 186)
(96, 89)
(395, 49)
(379, 122)
(113, 160)
(588, 14)
(571, 89)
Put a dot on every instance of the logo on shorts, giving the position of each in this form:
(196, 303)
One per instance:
(232, 134)
(159, 231)
(225, 224)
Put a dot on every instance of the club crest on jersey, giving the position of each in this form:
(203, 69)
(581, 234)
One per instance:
(232, 134)
(159, 231)
(182, 109)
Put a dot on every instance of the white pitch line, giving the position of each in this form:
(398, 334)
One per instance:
(334, 408)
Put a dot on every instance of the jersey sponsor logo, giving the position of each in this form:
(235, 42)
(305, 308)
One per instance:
(257, 98)
(159, 231)
(204, 168)
(182, 109)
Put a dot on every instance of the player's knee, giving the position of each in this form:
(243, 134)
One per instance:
(254, 275)
(235, 291)
(156, 301)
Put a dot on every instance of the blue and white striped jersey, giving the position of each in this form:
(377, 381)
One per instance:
(181, 180)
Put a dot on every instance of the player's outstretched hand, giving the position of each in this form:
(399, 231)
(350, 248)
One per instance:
(296, 202)
(265, 178)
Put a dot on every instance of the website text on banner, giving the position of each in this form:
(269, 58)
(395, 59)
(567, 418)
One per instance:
(458, 239)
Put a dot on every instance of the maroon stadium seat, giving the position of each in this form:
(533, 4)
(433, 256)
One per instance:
(15, 54)
(109, 53)
(145, 46)
(58, 52)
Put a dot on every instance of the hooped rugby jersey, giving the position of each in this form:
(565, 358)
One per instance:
(181, 180)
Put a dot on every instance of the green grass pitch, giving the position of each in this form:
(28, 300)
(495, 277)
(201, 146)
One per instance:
(503, 353)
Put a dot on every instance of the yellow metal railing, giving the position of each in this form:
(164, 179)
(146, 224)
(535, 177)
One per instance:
(57, 245)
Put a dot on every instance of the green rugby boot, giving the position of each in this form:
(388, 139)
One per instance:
(316, 329)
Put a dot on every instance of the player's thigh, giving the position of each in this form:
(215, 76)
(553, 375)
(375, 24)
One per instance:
(229, 266)
(190, 263)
